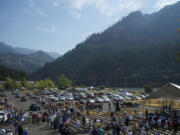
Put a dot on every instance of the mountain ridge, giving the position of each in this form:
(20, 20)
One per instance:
(5, 48)
(121, 49)
(25, 60)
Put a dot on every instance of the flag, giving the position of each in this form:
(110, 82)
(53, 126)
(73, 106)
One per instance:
(67, 121)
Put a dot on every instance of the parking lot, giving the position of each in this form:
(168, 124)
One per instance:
(99, 107)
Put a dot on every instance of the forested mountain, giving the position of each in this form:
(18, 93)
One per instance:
(14, 74)
(41, 57)
(138, 45)
(27, 63)
(23, 59)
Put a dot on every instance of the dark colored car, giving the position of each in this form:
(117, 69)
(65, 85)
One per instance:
(83, 101)
(18, 95)
(34, 107)
(23, 99)
(77, 97)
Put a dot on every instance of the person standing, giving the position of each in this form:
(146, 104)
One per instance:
(83, 120)
(109, 106)
(25, 131)
(118, 129)
(20, 130)
(100, 131)
(90, 131)
(94, 132)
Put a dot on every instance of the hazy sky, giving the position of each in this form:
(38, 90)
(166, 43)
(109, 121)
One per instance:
(58, 25)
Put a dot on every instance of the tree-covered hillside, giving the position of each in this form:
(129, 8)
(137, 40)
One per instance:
(6, 72)
(138, 45)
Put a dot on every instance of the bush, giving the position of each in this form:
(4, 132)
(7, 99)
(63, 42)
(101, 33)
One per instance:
(148, 89)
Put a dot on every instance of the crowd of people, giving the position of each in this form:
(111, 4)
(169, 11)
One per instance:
(12, 120)
(59, 116)
(125, 124)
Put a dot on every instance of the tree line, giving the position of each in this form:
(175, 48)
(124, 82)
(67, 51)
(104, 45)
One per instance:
(62, 83)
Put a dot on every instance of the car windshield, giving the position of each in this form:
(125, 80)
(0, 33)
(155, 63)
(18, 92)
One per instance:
(1, 114)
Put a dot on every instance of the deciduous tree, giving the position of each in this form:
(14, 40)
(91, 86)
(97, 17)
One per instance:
(64, 82)
(9, 83)
(148, 88)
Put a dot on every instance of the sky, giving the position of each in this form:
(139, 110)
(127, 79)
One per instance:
(59, 25)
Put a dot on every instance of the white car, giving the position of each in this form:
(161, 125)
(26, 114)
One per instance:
(91, 101)
(62, 98)
(56, 99)
(117, 98)
(70, 98)
(106, 99)
(3, 116)
(51, 96)
(137, 97)
(99, 100)
(127, 98)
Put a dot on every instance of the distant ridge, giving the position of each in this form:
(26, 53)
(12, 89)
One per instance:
(23, 59)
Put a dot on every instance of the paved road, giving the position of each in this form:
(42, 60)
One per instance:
(21, 105)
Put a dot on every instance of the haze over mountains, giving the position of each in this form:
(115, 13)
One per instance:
(4, 48)
(138, 45)
(23, 59)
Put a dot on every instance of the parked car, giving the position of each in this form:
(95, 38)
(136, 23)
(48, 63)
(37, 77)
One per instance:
(99, 100)
(23, 99)
(51, 96)
(90, 100)
(3, 116)
(137, 97)
(70, 98)
(105, 98)
(77, 97)
(54, 99)
(34, 107)
(82, 101)
(18, 95)
(117, 98)
(90, 95)
(62, 98)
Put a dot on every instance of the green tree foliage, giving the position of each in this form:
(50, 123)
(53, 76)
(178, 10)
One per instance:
(64, 82)
(41, 84)
(177, 54)
(9, 83)
(1, 86)
(6, 72)
(102, 87)
(26, 84)
(148, 88)
(47, 83)
(17, 85)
